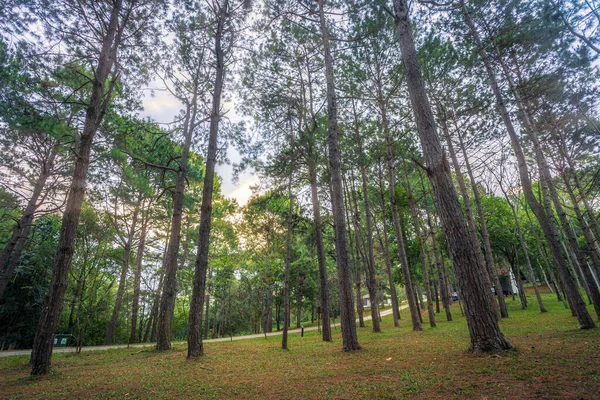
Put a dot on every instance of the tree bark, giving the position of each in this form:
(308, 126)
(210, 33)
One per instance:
(99, 98)
(169, 293)
(347, 315)
(195, 347)
(483, 326)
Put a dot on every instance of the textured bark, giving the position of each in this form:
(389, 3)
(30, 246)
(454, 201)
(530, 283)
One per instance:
(137, 278)
(112, 325)
(386, 252)
(485, 236)
(195, 347)
(543, 214)
(483, 327)
(470, 218)
(347, 315)
(12, 250)
(99, 98)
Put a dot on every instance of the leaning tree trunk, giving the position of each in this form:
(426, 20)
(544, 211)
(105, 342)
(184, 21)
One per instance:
(545, 218)
(99, 98)
(112, 325)
(12, 250)
(549, 189)
(137, 278)
(349, 336)
(195, 347)
(481, 320)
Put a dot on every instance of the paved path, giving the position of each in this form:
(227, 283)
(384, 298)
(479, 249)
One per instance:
(9, 353)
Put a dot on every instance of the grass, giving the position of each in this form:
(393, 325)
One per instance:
(554, 359)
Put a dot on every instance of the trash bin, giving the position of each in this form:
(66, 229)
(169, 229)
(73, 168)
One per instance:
(61, 340)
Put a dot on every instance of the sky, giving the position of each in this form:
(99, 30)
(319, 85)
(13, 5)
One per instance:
(162, 108)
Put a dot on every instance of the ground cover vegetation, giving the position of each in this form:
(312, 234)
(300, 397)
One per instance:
(397, 363)
(438, 155)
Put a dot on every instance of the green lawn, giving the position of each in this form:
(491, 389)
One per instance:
(554, 360)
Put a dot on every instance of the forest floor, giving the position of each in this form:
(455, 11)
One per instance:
(553, 359)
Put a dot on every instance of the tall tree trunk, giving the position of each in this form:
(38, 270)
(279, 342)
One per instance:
(545, 217)
(485, 236)
(347, 315)
(112, 325)
(321, 260)
(169, 293)
(386, 252)
(195, 347)
(412, 305)
(11, 253)
(99, 98)
(371, 275)
(137, 278)
(471, 224)
(288, 247)
(481, 320)
(356, 257)
(548, 188)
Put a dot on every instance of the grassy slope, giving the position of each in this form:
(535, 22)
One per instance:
(554, 360)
